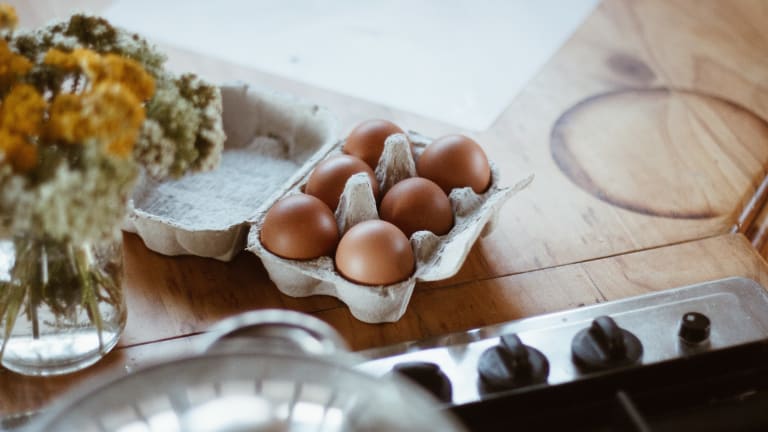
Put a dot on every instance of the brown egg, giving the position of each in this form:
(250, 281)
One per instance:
(299, 227)
(455, 161)
(366, 140)
(329, 177)
(417, 204)
(375, 252)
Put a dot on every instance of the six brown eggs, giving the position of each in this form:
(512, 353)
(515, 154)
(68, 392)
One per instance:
(376, 252)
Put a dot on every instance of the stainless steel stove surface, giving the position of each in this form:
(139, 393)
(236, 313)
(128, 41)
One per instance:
(573, 345)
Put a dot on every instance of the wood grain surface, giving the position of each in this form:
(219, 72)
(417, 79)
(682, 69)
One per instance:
(447, 309)
(758, 231)
(647, 135)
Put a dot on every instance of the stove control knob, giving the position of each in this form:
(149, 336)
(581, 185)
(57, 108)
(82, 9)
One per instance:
(428, 376)
(604, 345)
(511, 364)
(694, 328)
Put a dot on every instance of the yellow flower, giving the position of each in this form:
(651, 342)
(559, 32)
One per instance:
(66, 122)
(8, 17)
(24, 157)
(116, 116)
(9, 141)
(69, 61)
(108, 113)
(15, 149)
(109, 110)
(21, 119)
(129, 73)
(22, 111)
(103, 68)
(12, 65)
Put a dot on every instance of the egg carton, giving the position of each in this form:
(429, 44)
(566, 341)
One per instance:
(272, 140)
(437, 257)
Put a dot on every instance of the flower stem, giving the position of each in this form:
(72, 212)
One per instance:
(11, 305)
(65, 280)
(29, 267)
(90, 299)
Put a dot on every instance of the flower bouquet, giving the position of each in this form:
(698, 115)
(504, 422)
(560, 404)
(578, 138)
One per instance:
(85, 108)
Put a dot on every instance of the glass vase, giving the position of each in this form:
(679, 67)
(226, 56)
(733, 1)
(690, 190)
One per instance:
(61, 304)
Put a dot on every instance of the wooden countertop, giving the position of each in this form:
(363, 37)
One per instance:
(647, 133)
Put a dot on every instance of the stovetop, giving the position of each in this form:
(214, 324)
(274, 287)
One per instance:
(578, 344)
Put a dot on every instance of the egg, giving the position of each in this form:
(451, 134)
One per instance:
(416, 204)
(329, 177)
(366, 141)
(455, 161)
(299, 227)
(375, 252)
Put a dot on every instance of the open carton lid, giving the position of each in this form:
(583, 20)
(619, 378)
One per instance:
(271, 137)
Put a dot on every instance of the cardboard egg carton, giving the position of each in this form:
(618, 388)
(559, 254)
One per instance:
(437, 257)
(272, 139)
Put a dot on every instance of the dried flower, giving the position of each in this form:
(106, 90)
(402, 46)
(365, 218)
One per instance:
(99, 69)
(116, 116)
(21, 121)
(84, 107)
(8, 17)
(22, 111)
(19, 153)
(66, 123)
(12, 66)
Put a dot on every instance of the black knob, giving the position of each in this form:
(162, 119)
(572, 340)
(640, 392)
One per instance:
(511, 364)
(605, 345)
(429, 376)
(694, 328)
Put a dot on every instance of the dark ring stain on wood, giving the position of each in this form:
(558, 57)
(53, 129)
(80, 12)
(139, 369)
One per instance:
(631, 67)
(568, 163)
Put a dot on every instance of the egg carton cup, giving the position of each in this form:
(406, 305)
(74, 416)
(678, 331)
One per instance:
(437, 257)
(272, 140)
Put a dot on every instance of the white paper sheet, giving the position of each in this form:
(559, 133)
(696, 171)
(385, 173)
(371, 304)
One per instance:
(457, 61)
